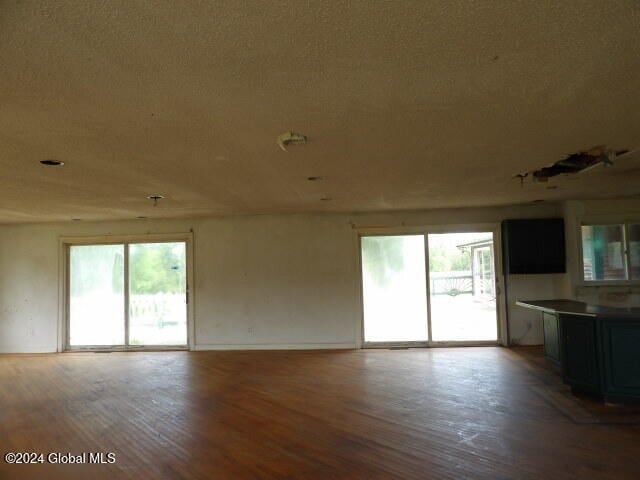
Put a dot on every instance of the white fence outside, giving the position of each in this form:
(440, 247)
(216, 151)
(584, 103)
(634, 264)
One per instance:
(98, 319)
(160, 309)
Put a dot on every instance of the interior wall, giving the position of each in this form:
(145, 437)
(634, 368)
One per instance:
(260, 282)
(597, 211)
(272, 281)
(276, 282)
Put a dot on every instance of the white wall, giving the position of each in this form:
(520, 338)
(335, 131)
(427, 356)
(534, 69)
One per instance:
(273, 281)
(28, 289)
(276, 281)
(260, 282)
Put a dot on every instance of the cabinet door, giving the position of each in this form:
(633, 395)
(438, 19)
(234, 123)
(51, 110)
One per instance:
(579, 356)
(621, 352)
(551, 338)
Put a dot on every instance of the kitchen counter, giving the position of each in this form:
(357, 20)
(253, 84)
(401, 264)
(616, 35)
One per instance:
(596, 347)
(574, 307)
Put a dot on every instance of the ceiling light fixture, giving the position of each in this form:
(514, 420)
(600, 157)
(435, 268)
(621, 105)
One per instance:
(155, 199)
(290, 138)
(52, 163)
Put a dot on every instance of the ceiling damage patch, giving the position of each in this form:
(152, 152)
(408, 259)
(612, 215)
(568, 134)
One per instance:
(574, 163)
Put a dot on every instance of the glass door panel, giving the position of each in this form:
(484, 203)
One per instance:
(96, 295)
(462, 287)
(157, 294)
(394, 288)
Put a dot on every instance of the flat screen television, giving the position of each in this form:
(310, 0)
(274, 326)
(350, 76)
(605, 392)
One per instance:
(533, 245)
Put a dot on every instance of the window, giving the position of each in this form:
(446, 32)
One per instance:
(446, 296)
(611, 252)
(127, 295)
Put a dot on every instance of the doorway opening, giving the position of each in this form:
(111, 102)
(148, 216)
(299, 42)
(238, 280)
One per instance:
(430, 289)
(127, 295)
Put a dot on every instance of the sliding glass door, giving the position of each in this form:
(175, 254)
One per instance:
(157, 294)
(127, 295)
(394, 287)
(430, 288)
(96, 295)
(462, 293)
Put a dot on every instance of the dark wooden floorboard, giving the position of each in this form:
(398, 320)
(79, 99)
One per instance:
(464, 413)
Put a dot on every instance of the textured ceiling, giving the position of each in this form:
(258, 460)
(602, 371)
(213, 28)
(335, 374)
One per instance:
(407, 104)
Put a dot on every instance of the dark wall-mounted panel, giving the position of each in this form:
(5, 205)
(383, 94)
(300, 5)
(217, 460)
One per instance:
(533, 246)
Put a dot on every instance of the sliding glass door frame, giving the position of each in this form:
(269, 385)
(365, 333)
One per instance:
(65, 245)
(494, 228)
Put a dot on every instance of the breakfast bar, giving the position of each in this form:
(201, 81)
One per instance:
(596, 347)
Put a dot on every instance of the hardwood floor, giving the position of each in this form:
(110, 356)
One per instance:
(464, 413)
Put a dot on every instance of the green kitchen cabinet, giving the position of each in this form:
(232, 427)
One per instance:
(579, 353)
(621, 358)
(596, 347)
(551, 337)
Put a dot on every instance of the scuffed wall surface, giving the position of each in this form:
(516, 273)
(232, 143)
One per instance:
(260, 281)
(276, 280)
(614, 296)
(28, 290)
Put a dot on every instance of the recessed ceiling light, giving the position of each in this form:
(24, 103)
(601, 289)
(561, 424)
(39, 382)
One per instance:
(52, 163)
(314, 179)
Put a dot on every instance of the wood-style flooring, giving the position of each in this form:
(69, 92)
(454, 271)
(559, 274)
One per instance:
(460, 413)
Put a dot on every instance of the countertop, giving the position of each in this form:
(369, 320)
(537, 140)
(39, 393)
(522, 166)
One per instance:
(573, 307)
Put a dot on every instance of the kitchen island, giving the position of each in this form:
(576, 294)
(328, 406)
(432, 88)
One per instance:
(596, 347)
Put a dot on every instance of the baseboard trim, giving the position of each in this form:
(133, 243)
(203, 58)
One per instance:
(525, 343)
(276, 346)
(16, 349)
(233, 346)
